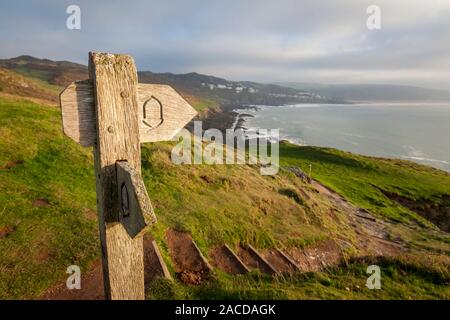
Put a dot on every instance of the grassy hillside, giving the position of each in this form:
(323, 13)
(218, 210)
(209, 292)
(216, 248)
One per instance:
(364, 181)
(57, 73)
(12, 83)
(44, 79)
(193, 86)
(231, 93)
(47, 216)
(48, 219)
(361, 179)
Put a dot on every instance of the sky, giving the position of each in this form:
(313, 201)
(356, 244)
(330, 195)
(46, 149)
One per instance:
(320, 41)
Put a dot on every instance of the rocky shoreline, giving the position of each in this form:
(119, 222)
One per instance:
(225, 118)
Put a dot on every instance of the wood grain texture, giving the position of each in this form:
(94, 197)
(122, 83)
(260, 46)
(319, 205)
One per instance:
(161, 262)
(162, 112)
(79, 122)
(140, 212)
(114, 78)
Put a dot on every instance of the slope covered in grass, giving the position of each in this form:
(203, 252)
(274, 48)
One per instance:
(16, 84)
(48, 220)
(48, 194)
(360, 179)
(401, 279)
(47, 200)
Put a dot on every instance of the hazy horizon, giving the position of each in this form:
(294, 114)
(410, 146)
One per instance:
(320, 41)
(280, 83)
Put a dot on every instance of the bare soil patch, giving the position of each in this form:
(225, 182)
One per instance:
(225, 261)
(91, 287)
(337, 198)
(372, 233)
(44, 255)
(207, 179)
(436, 213)
(302, 261)
(90, 214)
(322, 255)
(252, 261)
(92, 280)
(189, 264)
(152, 267)
(11, 164)
(41, 202)
(382, 247)
(6, 231)
(278, 261)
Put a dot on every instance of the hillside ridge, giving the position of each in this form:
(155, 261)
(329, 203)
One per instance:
(210, 90)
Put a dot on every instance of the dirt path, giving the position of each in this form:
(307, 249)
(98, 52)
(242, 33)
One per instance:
(92, 281)
(91, 287)
(251, 261)
(152, 267)
(373, 235)
(190, 266)
(278, 261)
(224, 260)
(317, 257)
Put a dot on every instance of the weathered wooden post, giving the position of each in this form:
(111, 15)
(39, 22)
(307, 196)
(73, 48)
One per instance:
(114, 114)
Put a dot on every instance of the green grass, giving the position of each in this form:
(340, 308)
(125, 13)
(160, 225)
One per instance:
(359, 178)
(37, 80)
(42, 75)
(54, 89)
(207, 201)
(215, 204)
(399, 280)
(46, 239)
(205, 104)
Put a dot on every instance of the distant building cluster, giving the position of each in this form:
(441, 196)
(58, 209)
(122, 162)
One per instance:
(237, 88)
(302, 95)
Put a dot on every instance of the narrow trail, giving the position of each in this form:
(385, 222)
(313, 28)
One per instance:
(192, 268)
(373, 234)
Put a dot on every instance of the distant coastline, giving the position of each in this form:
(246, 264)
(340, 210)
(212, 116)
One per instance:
(377, 130)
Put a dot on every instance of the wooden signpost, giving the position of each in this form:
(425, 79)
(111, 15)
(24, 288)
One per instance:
(114, 113)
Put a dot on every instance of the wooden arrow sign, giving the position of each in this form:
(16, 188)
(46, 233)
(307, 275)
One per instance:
(136, 211)
(162, 112)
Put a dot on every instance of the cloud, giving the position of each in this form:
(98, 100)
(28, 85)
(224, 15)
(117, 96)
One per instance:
(286, 40)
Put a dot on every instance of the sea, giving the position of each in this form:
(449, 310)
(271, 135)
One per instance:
(411, 131)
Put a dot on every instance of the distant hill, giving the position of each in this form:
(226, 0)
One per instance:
(13, 83)
(204, 91)
(60, 73)
(373, 92)
(227, 92)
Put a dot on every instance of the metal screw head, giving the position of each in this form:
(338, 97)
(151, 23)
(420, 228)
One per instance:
(124, 201)
(110, 129)
(124, 94)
